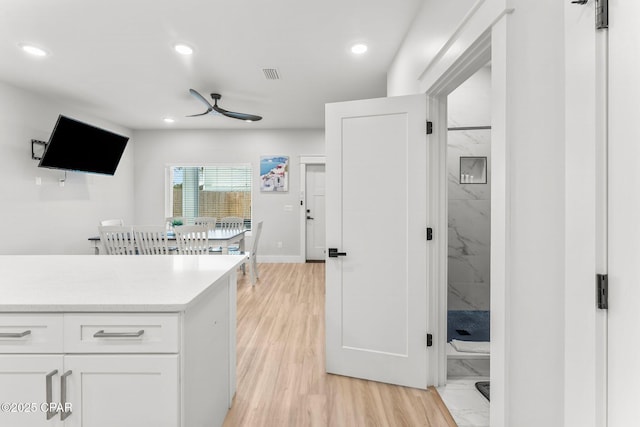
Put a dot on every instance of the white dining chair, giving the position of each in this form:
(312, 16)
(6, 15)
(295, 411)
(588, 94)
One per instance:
(151, 239)
(251, 256)
(232, 223)
(192, 239)
(108, 222)
(117, 240)
(251, 260)
(206, 221)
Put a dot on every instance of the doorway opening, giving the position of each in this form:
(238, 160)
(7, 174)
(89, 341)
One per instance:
(469, 227)
(312, 212)
(468, 162)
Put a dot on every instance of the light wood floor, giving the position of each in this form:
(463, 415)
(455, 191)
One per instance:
(281, 375)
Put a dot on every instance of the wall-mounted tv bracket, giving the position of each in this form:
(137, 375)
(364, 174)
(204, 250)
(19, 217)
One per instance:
(40, 151)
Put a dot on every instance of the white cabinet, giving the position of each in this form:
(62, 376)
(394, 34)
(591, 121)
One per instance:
(23, 381)
(123, 390)
(121, 369)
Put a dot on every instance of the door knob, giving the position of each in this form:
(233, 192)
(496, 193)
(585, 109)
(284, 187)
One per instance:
(308, 217)
(333, 253)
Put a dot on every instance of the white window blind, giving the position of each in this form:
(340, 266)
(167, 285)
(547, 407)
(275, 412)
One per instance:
(218, 191)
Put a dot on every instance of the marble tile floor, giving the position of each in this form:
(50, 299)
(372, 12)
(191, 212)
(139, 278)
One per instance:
(468, 407)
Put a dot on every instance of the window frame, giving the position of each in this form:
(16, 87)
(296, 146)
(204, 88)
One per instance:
(168, 182)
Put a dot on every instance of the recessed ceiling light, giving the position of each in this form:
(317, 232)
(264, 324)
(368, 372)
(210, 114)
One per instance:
(359, 48)
(183, 49)
(169, 120)
(33, 50)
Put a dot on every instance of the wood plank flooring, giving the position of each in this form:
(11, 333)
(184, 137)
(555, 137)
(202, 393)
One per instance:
(281, 374)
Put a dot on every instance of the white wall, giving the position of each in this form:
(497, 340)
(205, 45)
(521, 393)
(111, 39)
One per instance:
(535, 132)
(536, 139)
(430, 30)
(156, 149)
(49, 219)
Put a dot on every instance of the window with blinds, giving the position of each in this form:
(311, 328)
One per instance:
(218, 191)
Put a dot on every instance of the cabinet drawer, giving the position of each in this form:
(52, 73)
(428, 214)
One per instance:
(31, 333)
(121, 333)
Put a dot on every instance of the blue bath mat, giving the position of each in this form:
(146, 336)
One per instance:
(468, 325)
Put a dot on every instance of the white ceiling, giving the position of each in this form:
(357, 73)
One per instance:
(115, 58)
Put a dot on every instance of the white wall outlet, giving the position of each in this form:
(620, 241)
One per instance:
(279, 245)
(38, 180)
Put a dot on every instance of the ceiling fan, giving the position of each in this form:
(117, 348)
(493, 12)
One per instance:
(214, 108)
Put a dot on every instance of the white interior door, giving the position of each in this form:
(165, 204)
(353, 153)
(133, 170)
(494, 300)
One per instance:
(376, 294)
(315, 214)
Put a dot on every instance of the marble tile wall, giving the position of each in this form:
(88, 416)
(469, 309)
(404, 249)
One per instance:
(469, 204)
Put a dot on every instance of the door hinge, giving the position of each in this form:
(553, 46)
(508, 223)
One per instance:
(602, 14)
(429, 233)
(602, 289)
(429, 127)
(429, 340)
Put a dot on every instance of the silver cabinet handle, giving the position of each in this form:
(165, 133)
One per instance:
(49, 394)
(15, 334)
(102, 334)
(63, 396)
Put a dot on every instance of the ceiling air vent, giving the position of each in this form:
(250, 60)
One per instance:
(271, 73)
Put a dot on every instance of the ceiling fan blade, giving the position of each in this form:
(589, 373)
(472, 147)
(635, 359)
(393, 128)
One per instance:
(201, 114)
(239, 116)
(201, 98)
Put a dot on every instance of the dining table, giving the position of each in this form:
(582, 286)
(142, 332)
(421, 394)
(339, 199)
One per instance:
(223, 238)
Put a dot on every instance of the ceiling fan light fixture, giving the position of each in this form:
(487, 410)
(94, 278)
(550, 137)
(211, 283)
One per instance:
(183, 49)
(33, 50)
(359, 48)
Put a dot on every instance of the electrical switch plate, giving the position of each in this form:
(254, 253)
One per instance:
(38, 180)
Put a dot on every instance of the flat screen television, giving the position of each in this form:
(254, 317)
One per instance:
(77, 146)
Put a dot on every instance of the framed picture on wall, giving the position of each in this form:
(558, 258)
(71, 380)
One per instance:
(274, 174)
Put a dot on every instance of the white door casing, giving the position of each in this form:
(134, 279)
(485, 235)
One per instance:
(376, 295)
(623, 208)
(315, 212)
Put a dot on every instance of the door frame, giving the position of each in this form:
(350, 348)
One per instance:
(313, 159)
(481, 37)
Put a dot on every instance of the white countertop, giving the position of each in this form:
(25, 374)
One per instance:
(89, 283)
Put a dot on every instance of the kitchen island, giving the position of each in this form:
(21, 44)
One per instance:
(117, 341)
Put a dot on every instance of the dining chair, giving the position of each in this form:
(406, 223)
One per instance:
(232, 223)
(251, 256)
(206, 221)
(251, 260)
(192, 239)
(151, 239)
(107, 222)
(117, 240)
